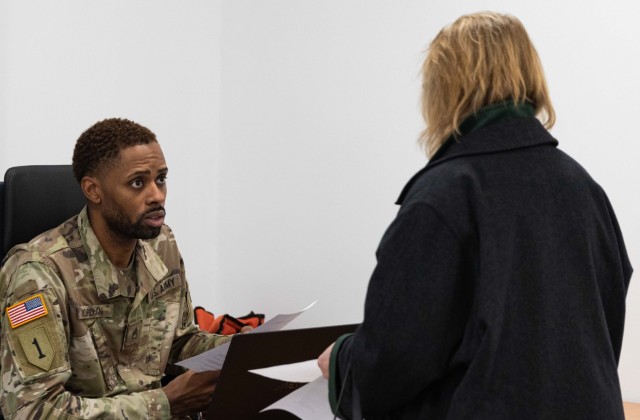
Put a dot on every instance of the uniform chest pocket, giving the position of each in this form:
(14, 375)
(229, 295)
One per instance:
(162, 318)
(94, 370)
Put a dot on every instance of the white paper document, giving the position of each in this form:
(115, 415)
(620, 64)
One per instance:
(304, 372)
(310, 402)
(214, 359)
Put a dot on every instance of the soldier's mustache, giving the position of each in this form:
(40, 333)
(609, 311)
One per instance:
(153, 210)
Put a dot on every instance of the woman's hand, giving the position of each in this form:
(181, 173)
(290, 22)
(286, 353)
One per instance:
(323, 361)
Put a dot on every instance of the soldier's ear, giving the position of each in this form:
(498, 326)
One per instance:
(91, 189)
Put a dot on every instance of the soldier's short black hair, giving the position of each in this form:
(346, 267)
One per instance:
(101, 144)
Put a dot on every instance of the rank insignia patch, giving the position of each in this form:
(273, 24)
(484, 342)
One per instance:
(26, 311)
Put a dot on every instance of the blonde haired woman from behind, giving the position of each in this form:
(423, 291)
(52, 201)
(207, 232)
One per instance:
(500, 287)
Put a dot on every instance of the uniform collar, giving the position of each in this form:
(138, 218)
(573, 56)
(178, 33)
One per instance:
(496, 128)
(149, 266)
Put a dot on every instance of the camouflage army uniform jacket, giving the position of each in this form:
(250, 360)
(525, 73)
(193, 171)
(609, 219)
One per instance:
(90, 343)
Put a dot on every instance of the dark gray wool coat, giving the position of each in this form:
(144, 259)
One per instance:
(499, 291)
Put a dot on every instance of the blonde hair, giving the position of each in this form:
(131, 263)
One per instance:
(478, 60)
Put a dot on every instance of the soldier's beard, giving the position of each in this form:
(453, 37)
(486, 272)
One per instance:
(119, 224)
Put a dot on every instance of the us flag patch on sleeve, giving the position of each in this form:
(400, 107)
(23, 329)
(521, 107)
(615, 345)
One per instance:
(26, 311)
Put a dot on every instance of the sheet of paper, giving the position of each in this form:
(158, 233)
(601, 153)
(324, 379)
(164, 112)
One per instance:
(279, 321)
(214, 359)
(293, 372)
(309, 402)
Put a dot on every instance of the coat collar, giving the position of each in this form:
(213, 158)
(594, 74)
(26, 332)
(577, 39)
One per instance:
(496, 128)
(149, 266)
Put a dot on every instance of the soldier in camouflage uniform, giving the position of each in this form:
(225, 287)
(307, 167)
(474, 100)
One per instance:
(97, 308)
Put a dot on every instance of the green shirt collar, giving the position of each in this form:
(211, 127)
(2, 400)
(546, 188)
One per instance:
(500, 111)
(490, 114)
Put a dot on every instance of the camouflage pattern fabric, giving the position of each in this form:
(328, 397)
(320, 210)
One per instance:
(105, 339)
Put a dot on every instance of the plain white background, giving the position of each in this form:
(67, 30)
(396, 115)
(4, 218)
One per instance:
(289, 126)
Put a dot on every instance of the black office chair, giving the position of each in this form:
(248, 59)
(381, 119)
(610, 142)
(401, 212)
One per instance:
(1, 217)
(35, 199)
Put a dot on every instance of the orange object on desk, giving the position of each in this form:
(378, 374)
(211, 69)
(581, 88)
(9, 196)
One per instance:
(631, 411)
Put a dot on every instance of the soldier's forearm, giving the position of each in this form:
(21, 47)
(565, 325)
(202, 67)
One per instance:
(152, 404)
(194, 344)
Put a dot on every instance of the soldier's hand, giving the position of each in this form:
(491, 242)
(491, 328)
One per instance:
(191, 392)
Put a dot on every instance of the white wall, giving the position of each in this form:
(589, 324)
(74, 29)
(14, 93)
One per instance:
(65, 65)
(290, 125)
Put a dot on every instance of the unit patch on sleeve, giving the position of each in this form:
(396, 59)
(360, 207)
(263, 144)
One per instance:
(26, 311)
(37, 347)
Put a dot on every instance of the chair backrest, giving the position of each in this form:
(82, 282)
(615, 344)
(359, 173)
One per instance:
(37, 198)
(1, 217)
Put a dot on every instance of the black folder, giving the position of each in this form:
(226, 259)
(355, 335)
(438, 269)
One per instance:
(241, 394)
